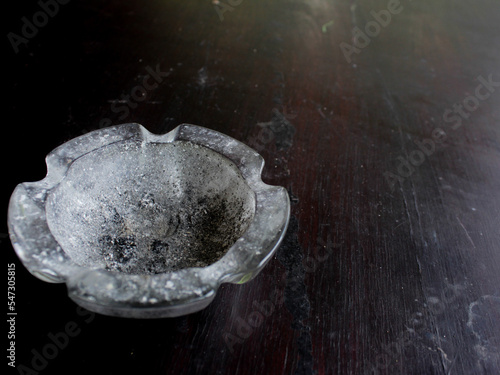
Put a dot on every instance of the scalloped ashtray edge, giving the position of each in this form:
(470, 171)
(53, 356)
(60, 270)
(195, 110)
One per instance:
(155, 295)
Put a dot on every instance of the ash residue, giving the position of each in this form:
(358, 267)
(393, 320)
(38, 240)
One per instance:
(201, 237)
(150, 208)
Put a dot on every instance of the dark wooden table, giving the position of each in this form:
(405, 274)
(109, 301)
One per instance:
(381, 118)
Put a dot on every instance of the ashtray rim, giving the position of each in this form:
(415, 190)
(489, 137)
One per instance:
(147, 295)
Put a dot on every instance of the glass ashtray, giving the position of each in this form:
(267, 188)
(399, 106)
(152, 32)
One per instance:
(147, 226)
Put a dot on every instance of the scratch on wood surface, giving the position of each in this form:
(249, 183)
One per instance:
(397, 226)
(466, 232)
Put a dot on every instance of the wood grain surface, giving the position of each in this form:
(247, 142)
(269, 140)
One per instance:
(381, 118)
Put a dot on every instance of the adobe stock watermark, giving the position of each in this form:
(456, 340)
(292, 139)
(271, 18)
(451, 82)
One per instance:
(267, 130)
(137, 95)
(56, 342)
(389, 354)
(362, 38)
(31, 26)
(245, 327)
(455, 116)
(221, 7)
